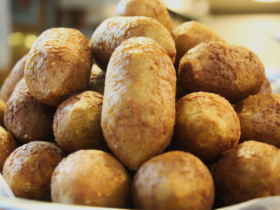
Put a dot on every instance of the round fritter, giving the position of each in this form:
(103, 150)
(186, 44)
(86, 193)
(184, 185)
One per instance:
(231, 71)
(265, 88)
(148, 8)
(173, 180)
(7, 146)
(92, 178)
(113, 31)
(26, 118)
(249, 170)
(206, 126)
(190, 34)
(58, 65)
(259, 117)
(29, 168)
(2, 112)
(13, 78)
(97, 80)
(77, 123)
(138, 112)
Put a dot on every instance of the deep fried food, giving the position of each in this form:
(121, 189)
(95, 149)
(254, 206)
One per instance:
(97, 80)
(265, 88)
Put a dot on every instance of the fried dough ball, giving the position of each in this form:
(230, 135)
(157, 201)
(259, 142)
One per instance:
(190, 34)
(249, 170)
(2, 112)
(77, 123)
(206, 126)
(231, 71)
(58, 65)
(265, 88)
(113, 31)
(7, 146)
(29, 168)
(92, 178)
(138, 112)
(13, 78)
(173, 180)
(26, 118)
(148, 8)
(97, 80)
(260, 118)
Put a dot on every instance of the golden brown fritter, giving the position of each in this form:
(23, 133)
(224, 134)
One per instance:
(13, 78)
(138, 112)
(190, 34)
(7, 146)
(173, 180)
(97, 80)
(259, 117)
(29, 168)
(148, 8)
(231, 71)
(114, 31)
(77, 123)
(249, 170)
(206, 126)
(58, 65)
(26, 118)
(265, 88)
(92, 178)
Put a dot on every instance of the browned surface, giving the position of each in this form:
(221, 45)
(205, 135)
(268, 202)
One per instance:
(190, 34)
(77, 123)
(7, 146)
(148, 8)
(206, 126)
(173, 180)
(92, 178)
(29, 168)
(250, 170)
(58, 65)
(97, 80)
(260, 118)
(231, 71)
(13, 78)
(265, 88)
(113, 31)
(2, 112)
(26, 118)
(138, 112)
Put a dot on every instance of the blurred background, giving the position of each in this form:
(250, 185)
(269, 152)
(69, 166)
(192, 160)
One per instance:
(254, 24)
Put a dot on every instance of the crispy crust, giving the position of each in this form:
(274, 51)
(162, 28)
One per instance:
(77, 123)
(58, 65)
(113, 31)
(92, 178)
(29, 168)
(231, 71)
(249, 170)
(173, 180)
(97, 80)
(138, 112)
(206, 126)
(260, 118)
(26, 118)
(265, 88)
(148, 8)
(13, 78)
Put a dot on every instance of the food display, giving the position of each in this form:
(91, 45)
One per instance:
(259, 118)
(250, 170)
(29, 168)
(174, 180)
(93, 178)
(65, 69)
(136, 147)
(77, 123)
(206, 126)
(138, 112)
(26, 118)
(148, 8)
(112, 32)
(233, 72)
